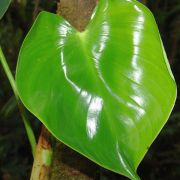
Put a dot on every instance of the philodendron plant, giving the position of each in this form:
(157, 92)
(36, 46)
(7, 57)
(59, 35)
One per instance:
(107, 91)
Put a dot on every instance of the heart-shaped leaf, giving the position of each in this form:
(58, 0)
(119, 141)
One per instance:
(105, 92)
(4, 4)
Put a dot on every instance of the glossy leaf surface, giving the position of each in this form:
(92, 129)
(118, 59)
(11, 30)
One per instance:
(105, 92)
(4, 4)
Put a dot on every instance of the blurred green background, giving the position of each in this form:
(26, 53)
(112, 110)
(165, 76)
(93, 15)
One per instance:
(163, 159)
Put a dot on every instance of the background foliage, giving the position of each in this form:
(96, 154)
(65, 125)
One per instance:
(163, 158)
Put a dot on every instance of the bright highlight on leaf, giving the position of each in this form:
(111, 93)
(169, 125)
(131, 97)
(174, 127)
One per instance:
(105, 92)
(4, 4)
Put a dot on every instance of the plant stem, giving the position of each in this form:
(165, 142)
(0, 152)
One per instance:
(43, 157)
(27, 124)
(8, 73)
(28, 128)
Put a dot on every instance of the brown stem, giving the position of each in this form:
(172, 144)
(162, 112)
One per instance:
(68, 164)
(43, 157)
(77, 12)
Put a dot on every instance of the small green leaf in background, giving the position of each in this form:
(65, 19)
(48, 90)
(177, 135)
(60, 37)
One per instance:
(4, 4)
(106, 92)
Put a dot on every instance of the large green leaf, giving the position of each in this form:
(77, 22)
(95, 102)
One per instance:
(4, 4)
(105, 92)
